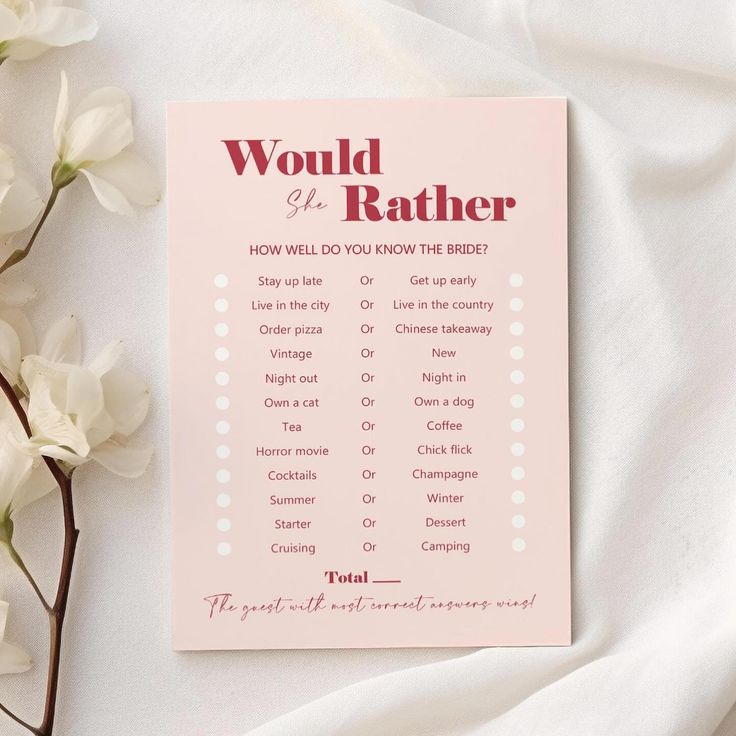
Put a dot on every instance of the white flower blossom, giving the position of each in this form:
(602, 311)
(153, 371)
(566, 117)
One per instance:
(16, 334)
(23, 478)
(28, 28)
(12, 659)
(92, 141)
(14, 293)
(19, 200)
(19, 207)
(80, 413)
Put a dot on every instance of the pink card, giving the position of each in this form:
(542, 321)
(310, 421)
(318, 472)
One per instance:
(369, 402)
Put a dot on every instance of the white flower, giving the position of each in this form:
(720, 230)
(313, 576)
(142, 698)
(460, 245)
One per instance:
(28, 28)
(79, 413)
(19, 206)
(19, 200)
(92, 141)
(12, 658)
(15, 293)
(23, 478)
(16, 334)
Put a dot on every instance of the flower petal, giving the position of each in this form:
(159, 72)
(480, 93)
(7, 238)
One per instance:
(101, 430)
(36, 369)
(50, 425)
(9, 353)
(106, 358)
(127, 399)
(104, 97)
(7, 165)
(26, 12)
(21, 48)
(130, 462)
(62, 113)
(24, 50)
(9, 422)
(63, 343)
(40, 482)
(15, 468)
(13, 659)
(109, 196)
(98, 134)
(19, 205)
(19, 322)
(9, 24)
(16, 293)
(85, 402)
(61, 26)
(132, 175)
(62, 453)
(84, 397)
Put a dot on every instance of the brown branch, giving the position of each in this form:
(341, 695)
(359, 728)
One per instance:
(57, 612)
(22, 565)
(18, 255)
(15, 404)
(12, 715)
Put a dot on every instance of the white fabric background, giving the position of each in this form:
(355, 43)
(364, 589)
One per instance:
(652, 88)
